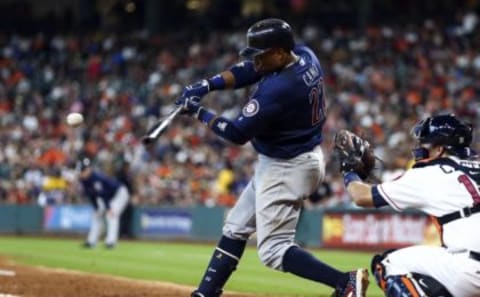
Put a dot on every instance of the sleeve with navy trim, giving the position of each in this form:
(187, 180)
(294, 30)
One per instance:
(378, 200)
(434, 189)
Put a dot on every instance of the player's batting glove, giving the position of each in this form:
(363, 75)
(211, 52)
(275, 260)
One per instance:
(198, 89)
(191, 105)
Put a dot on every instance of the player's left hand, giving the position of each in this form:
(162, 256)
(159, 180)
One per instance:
(198, 89)
(191, 105)
(355, 153)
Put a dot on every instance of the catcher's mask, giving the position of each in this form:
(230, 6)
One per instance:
(446, 131)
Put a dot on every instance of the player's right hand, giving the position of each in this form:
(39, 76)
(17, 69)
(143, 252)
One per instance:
(198, 89)
(191, 105)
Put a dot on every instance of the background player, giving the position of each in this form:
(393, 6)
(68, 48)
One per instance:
(109, 198)
(283, 120)
(443, 183)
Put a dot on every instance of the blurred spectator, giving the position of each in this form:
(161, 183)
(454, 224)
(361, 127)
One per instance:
(223, 185)
(53, 189)
(379, 79)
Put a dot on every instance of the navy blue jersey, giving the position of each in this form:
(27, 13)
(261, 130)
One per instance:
(286, 111)
(101, 186)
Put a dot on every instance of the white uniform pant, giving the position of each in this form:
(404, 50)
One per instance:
(456, 271)
(112, 217)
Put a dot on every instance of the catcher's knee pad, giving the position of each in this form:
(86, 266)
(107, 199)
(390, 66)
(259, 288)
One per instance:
(403, 286)
(378, 269)
(431, 286)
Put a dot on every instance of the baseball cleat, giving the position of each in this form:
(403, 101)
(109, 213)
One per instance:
(110, 246)
(88, 245)
(196, 294)
(356, 286)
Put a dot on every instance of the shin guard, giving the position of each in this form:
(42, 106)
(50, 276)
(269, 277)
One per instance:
(403, 286)
(223, 262)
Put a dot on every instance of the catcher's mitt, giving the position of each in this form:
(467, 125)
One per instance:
(355, 153)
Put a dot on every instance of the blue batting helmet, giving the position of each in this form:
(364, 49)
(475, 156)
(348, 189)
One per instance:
(267, 34)
(84, 163)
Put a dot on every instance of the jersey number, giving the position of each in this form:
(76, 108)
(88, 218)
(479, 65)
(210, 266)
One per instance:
(318, 103)
(463, 179)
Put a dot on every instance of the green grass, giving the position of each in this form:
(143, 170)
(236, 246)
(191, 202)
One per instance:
(175, 262)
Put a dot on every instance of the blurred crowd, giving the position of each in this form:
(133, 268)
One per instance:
(380, 81)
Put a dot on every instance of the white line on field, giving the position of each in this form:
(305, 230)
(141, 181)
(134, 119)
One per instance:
(8, 295)
(6, 273)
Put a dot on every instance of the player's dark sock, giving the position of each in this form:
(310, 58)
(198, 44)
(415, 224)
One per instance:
(223, 262)
(303, 264)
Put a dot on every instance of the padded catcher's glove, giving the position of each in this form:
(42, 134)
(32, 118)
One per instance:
(354, 153)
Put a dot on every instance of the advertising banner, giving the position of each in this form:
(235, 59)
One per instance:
(376, 230)
(164, 222)
(75, 218)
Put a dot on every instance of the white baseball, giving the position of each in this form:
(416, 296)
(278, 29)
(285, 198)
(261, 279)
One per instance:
(74, 119)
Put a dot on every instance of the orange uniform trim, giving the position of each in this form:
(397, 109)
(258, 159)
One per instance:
(410, 286)
(439, 228)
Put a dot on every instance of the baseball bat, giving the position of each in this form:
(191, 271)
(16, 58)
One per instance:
(160, 126)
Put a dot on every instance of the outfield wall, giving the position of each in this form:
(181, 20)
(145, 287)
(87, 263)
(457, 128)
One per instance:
(332, 228)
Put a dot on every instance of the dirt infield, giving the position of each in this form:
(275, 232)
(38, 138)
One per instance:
(25, 281)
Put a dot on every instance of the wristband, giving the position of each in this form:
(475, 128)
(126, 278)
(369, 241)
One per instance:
(197, 113)
(216, 82)
(205, 116)
(349, 177)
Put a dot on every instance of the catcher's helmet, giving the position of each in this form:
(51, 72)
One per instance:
(447, 131)
(267, 34)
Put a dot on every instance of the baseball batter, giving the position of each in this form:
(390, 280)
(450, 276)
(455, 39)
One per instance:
(109, 198)
(283, 119)
(444, 183)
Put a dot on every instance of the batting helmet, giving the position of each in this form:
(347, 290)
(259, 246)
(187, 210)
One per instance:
(447, 131)
(267, 34)
(84, 163)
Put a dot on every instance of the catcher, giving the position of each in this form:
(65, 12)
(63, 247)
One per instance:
(443, 183)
